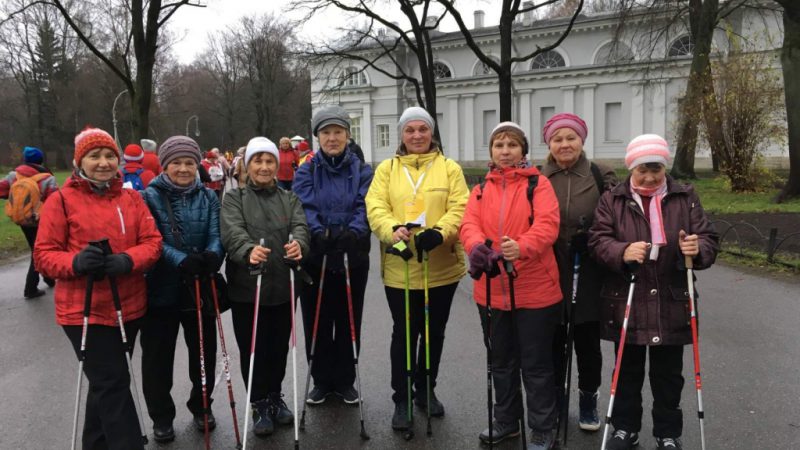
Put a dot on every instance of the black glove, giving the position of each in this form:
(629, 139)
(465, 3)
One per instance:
(400, 249)
(117, 264)
(428, 240)
(347, 241)
(89, 260)
(192, 265)
(579, 243)
(211, 262)
(321, 243)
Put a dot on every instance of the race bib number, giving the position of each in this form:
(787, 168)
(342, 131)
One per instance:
(415, 210)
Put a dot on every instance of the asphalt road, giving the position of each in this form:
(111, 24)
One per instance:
(750, 342)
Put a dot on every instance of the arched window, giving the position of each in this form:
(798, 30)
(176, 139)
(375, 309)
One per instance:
(682, 46)
(613, 53)
(441, 71)
(352, 76)
(481, 68)
(547, 60)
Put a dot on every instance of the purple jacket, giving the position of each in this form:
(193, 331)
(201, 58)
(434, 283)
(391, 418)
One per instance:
(660, 310)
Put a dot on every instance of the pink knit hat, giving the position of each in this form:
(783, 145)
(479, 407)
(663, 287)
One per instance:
(647, 148)
(565, 120)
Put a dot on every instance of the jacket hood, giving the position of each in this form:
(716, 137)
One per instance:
(347, 159)
(162, 182)
(497, 175)
(418, 160)
(30, 169)
(76, 182)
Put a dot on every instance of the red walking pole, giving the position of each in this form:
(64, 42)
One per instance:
(225, 362)
(698, 383)
(202, 358)
(314, 336)
(364, 434)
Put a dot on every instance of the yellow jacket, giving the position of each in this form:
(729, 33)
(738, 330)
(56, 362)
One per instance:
(445, 195)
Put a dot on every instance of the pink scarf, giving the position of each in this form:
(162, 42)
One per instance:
(657, 233)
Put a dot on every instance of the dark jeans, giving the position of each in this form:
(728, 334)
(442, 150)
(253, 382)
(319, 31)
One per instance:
(272, 345)
(530, 354)
(333, 353)
(440, 300)
(32, 278)
(586, 342)
(666, 384)
(159, 337)
(110, 420)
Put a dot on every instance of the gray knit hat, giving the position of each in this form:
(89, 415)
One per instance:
(148, 145)
(330, 115)
(414, 113)
(176, 147)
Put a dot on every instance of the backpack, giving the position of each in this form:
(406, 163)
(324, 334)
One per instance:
(215, 172)
(25, 199)
(533, 181)
(135, 179)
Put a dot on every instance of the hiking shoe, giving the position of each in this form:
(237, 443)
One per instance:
(199, 422)
(500, 432)
(34, 294)
(669, 444)
(542, 440)
(623, 440)
(278, 410)
(262, 423)
(421, 399)
(317, 396)
(589, 420)
(49, 281)
(349, 395)
(400, 420)
(164, 434)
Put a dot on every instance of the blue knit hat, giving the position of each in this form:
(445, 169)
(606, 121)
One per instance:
(32, 155)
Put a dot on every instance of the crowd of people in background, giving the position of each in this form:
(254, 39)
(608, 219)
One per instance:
(134, 242)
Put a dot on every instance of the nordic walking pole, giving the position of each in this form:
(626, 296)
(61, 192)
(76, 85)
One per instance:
(87, 307)
(512, 273)
(112, 281)
(252, 351)
(225, 361)
(698, 383)
(576, 267)
(401, 249)
(487, 338)
(618, 363)
(292, 264)
(425, 256)
(351, 317)
(314, 336)
(202, 359)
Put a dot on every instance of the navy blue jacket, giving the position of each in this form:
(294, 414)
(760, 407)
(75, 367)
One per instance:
(333, 199)
(196, 214)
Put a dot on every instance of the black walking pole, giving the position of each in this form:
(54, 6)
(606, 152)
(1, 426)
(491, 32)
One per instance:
(87, 307)
(487, 339)
(512, 273)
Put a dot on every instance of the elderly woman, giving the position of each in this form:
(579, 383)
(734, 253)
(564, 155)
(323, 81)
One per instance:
(93, 206)
(260, 210)
(517, 210)
(289, 160)
(578, 184)
(418, 186)
(332, 187)
(648, 224)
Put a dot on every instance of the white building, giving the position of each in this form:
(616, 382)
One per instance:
(621, 88)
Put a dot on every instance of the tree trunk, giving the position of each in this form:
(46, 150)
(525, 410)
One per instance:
(790, 60)
(720, 153)
(504, 77)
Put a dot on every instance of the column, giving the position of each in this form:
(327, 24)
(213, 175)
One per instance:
(525, 111)
(588, 117)
(659, 126)
(366, 130)
(637, 107)
(452, 127)
(569, 99)
(469, 127)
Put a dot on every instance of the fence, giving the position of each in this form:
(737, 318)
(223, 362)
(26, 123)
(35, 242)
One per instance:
(746, 240)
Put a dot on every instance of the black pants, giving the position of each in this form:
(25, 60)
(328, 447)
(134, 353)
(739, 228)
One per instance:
(586, 342)
(159, 336)
(32, 278)
(531, 354)
(333, 355)
(272, 345)
(666, 383)
(440, 300)
(110, 421)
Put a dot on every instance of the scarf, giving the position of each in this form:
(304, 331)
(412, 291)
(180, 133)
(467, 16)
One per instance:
(654, 215)
(522, 164)
(180, 190)
(99, 187)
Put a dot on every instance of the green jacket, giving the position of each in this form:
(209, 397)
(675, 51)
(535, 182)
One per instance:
(248, 214)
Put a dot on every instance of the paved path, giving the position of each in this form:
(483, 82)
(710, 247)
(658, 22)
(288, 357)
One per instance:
(750, 354)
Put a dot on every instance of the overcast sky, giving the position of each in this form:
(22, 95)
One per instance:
(194, 24)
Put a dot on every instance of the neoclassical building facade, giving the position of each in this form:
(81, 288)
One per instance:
(622, 82)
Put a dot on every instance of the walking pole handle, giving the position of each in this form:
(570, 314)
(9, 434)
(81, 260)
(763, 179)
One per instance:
(689, 261)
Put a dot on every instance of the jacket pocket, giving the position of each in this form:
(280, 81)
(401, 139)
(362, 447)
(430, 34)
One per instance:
(612, 308)
(677, 306)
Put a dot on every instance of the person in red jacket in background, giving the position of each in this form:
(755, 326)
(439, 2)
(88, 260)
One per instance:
(216, 173)
(92, 206)
(32, 167)
(522, 232)
(133, 172)
(150, 161)
(288, 163)
(304, 153)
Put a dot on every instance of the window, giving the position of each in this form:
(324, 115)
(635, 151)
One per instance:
(681, 47)
(613, 122)
(545, 113)
(352, 76)
(355, 129)
(441, 71)
(614, 53)
(383, 135)
(489, 122)
(481, 68)
(547, 60)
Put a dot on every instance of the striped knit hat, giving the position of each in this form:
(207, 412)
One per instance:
(565, 120)
(647, 148)
(90, 139)
(133, 153)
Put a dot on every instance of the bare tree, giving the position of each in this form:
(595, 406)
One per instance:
(790, 60)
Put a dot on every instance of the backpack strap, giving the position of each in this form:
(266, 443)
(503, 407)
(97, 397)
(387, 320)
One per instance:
(598, 178)
(533, 181)
(480, 188)
(173, 226)
(139, 172)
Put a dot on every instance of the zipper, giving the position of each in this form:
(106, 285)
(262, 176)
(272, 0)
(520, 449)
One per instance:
(503, 292)
(121, 219)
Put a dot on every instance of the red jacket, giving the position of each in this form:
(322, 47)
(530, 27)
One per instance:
(213, 185)
(147, 175)
(67, 227)
(289, 162)
(503, 210)
(150, 162)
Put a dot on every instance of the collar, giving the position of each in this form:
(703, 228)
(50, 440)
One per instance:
(673, 187)
(582, 167)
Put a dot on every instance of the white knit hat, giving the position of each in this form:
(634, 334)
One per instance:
(260, 145)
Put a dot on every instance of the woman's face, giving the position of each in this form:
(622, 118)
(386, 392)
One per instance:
(182, 171)
(100, 164)
(286, 144)
(506, 151)
(333, 140)
(417, 136)
(648, 177)
(566, 147)
(262, 168)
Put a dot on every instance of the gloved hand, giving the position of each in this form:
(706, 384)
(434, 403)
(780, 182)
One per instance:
(579, 243)
(347, 241)
(117, 264)
(492, 268)
(192, 265)
(89, 260)
(400, 249)
(478, 260)
(321, 243)
(211, 262)
(428, 240)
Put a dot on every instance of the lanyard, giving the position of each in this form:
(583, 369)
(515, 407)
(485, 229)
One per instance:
(415, 187)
